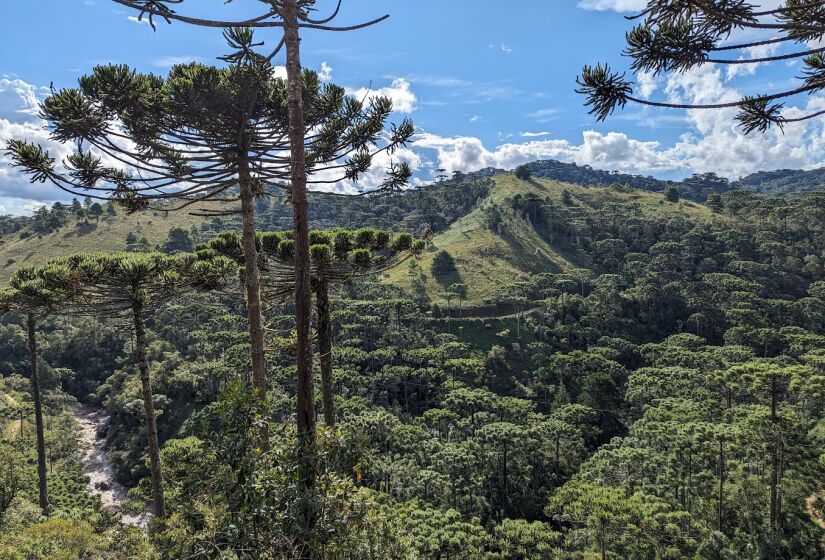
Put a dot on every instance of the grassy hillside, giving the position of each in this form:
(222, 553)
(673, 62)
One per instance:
(487, 258)
(107, 234)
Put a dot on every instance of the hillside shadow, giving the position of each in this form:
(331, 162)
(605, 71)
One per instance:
(82, 229)
(445, 271)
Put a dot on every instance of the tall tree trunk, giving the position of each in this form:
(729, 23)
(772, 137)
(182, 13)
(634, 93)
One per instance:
(305, 384)
(324, 312)
(149, 405)
(721, 484)
(558, 457)
(38, 417)
(774, 513)
(505, 497)
(253, 292)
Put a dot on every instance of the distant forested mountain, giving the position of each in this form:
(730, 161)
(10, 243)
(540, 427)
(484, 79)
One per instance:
(697, 187)
(784, 181)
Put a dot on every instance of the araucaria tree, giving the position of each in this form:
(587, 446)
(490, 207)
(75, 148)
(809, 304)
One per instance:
(30, 297)
(289, 18)
(130, 284)
(337, 257)
(209, 135)
(676, 36)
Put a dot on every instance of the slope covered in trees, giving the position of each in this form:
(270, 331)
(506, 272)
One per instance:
(697, 187)
(565, 372)
(65, 229)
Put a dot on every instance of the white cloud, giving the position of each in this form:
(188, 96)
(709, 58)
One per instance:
(18, 101)
(19, 121)
(400, 92)
(279, 72)
(326, 72)
(614, 5)
(21, 206)
(648, 84)
(475, 118)
(761, 51)
(613, 150)
(12, 182)
(140, 21)
(713, 142)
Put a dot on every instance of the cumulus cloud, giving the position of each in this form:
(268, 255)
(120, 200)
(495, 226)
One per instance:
(400, 92)
(760, 51)
(18, 101)
(614, 150)
(326, 72)
(330, 180)
(713, 141)
(13, 183)
(21, 206)
(648, 84)
(19, 120)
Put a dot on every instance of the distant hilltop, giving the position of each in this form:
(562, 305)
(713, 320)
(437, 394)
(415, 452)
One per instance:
(697, 187)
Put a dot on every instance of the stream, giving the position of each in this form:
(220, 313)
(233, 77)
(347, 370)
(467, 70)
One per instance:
(98, 468)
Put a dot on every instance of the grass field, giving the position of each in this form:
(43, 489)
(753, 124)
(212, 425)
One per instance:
(107, 234)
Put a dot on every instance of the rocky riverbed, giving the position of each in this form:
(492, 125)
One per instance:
(98, 468)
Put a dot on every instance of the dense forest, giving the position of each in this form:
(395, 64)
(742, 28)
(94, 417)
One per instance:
(661, 399)
(247, 332)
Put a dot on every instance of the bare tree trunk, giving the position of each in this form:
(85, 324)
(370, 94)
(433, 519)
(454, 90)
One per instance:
(721, 484)
(324, 313)
(149, 404)
(774, 514)
(253, 292)
(38, 417)
(305, 384)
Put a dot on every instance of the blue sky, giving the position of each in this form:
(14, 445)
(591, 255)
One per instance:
(485, 85)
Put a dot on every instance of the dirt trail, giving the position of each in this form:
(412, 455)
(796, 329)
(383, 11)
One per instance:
(98, 468)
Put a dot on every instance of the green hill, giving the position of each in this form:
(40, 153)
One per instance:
(488, 255)
(479, 221)
(108, 233)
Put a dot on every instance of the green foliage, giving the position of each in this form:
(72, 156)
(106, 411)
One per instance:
(523, 172)
(179, 241)
(589, 415)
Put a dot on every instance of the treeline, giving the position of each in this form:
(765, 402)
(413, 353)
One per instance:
(588, 423)
(433, 206)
